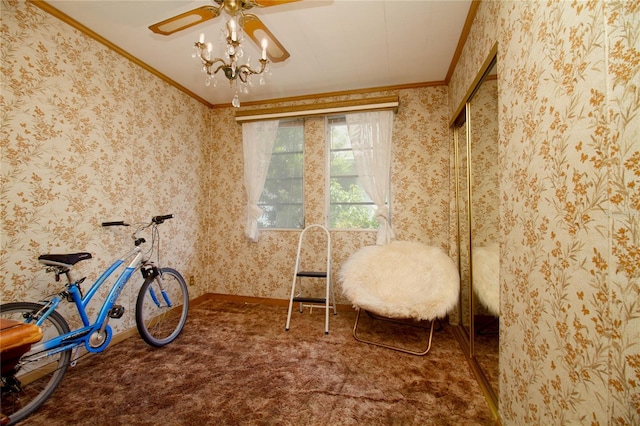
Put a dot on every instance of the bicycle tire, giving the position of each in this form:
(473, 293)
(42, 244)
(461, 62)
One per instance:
(37, 380)
(160, 324)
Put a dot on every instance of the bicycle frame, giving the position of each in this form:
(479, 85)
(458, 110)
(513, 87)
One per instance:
(79, 336)
(29, 381)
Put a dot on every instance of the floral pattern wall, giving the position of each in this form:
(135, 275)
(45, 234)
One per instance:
(569, 156)
(419, 193)
(87, 136)
(90, 140)
(485, 171)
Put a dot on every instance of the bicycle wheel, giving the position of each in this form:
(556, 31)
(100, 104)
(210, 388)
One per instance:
(162, 307)
(27, 386)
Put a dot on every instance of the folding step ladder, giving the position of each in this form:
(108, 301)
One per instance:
(311, 302)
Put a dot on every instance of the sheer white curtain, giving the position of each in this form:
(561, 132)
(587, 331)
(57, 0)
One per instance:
(370, 135)
(258, 138)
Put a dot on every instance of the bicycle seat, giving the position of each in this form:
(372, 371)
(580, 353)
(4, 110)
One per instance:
(63, 260)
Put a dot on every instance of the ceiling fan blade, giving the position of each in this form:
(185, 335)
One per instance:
(257, 31)
(185, 20)
(267, 3)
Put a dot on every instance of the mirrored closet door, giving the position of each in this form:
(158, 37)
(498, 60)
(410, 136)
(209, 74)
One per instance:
(477, 202)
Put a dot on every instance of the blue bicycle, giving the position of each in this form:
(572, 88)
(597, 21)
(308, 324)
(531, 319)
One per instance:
(161, 312)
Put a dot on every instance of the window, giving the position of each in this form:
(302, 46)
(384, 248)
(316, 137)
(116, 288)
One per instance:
(282, 197)
(349, 205)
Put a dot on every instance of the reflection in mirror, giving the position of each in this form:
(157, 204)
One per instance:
(476, 150)
(463, 224)
(483, 131)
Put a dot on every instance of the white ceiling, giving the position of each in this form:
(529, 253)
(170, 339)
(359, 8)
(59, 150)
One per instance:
(335, 45)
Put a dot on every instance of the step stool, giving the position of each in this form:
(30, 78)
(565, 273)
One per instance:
(298, 274)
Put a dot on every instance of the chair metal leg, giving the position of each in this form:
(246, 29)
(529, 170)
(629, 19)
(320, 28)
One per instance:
(384, 345)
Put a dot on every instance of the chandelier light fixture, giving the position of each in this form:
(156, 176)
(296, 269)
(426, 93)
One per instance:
(236, 73)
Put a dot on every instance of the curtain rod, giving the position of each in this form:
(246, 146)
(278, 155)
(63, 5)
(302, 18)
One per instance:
(367, 104)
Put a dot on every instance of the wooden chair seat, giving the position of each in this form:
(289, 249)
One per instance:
(16, 339)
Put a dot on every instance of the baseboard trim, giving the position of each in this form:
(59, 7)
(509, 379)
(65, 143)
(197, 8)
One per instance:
(253, 299)
(227, 297)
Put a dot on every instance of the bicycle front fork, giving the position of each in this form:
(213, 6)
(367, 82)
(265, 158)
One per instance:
(156, 274)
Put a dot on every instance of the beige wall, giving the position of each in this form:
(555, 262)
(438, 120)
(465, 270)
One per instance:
(87, 136)
(104, 127)
(420, 197)
(570, 216)
(79, 123)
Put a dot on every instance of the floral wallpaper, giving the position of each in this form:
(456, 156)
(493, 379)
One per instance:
(60, 162)
(461, 206)
(485, 170)
(87, 136)
(485, 190)
(569, 158)
(420, 197)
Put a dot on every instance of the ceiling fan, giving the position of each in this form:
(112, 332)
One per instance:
(252, 25)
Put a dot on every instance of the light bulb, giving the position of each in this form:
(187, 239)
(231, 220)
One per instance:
(264, 48)
(236, 101)
(232, 28)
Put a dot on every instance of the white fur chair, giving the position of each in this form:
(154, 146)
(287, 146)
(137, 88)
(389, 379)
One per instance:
(486, 274)
(401, 280)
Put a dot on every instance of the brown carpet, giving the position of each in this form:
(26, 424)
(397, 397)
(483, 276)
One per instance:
(234, 364)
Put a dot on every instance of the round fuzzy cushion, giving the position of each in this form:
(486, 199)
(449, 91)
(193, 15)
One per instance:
(486, 271)
(401, 279)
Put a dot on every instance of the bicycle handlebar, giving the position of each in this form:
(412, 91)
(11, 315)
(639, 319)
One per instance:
(159, 219)
(156, 219)
(117, 223)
